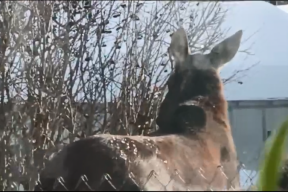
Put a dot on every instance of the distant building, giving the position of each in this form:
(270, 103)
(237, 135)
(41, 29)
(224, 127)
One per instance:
(278, 2)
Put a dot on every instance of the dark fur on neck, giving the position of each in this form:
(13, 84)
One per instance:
(191, 93)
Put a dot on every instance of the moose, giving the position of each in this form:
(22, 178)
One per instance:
(192, 150)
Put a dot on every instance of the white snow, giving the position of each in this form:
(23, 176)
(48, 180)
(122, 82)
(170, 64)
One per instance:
(268, 26)
(283, 8)
(247, 178)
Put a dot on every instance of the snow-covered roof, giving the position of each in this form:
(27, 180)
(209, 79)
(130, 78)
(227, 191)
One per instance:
(265, 29)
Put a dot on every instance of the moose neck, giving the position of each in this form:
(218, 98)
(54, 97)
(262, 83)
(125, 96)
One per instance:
(201, 89)
(206, 89)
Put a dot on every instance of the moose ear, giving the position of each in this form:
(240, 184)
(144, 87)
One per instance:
(225, 50)
(179, 46)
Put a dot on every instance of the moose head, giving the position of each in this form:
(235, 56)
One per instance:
(194, 75)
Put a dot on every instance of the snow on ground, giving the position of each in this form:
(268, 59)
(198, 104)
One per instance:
(247, 178)
(283, 8)
(268, 26)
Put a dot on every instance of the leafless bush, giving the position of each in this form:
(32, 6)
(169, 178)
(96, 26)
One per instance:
(70, 69)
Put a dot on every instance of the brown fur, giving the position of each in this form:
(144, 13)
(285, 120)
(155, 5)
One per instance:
(216, 129)
(137, 157)
(192, 150)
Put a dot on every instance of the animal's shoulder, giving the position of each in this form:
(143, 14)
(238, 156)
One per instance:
(131, 148)
(125, 147)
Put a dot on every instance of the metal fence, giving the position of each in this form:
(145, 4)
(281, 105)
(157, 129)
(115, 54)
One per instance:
(247, 182)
